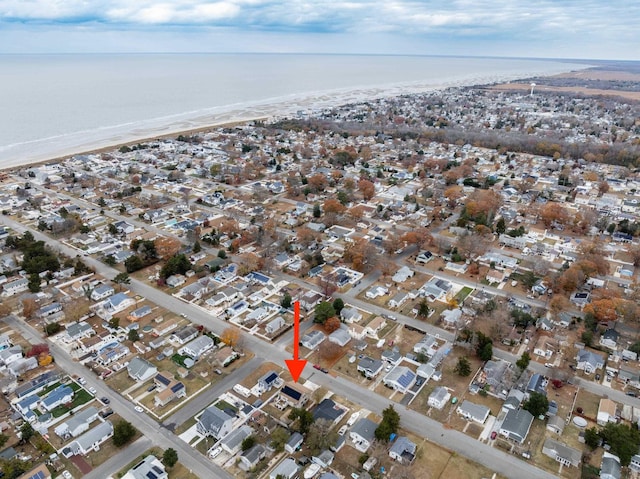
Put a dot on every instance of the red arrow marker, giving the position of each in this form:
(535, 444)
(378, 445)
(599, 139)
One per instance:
(295, 365)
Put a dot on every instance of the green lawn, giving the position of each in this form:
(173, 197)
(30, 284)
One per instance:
(81, 397)
(462, 294)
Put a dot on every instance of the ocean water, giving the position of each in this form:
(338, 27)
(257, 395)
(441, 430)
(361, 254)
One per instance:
(59, 104)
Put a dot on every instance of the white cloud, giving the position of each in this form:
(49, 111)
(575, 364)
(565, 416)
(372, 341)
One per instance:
(578, 24)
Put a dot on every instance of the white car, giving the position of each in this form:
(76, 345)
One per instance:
(92, 390)
(67, 475)
(138, 409)
(342, 430)
(215, 453)
(82, 381)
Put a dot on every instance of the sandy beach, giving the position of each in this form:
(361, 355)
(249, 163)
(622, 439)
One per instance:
(63, 146)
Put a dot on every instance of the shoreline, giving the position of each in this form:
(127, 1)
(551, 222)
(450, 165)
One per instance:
(105, 139)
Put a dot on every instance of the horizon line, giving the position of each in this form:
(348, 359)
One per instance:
(535, 58)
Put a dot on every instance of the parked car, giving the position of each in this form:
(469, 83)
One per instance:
(82, 381)
(215, 453)
(324, 370)
(342, 430)
(494, 435)
(67, 475)
(105, 400)
(105, 413)
(317, 366)
(92, 390)
(151, 388)
(138, 409)
(217, 371)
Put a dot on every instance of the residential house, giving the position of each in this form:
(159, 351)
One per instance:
(287, 469)
(402, 275)
(428, 345)
(225, 356)
(176, 280)
(495, 276)
(634, 465)
(90, 440)
(232, 442)
(15, 287)
(77, 331)
(324, 459)
(214, 422)
(250, 458)
(102, 291)
(514, 400)
(439, 397)
(580, 298)
(451, 318)
(391, 356)
(267, 382)
(10, 355)
(274, 325)
(545, 347)
(370, 367)
(565, 455)
(398, 299)
(294, 442)
(400, 378)
(357, 331)
(340, 336)
(473, 412)
(329, 411)
(556, 425)
(374, 326)
(139, 313)
(39, 472)
(606, 412)
(60, 395)
(610, 467)
(294, 394)
(184, 335)
(435, 289)
(114, 305)
(165, 327)
(516, 425)
(312, 339)
(140, 369)
(376, 291)
(5, 342)
(362, 434)
(609, 339)
(197, 347)
(424, 257)
(589, 362)
(77, 424)
(538, 384)
(27, 404)
(403, 450)
(149, 468)
(310, 300)
(350, 315)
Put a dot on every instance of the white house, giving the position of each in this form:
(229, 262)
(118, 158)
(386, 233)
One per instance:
(10, 355)
(606, 412)
(140, 369)
(101, 292)
(90, 440)
(197, 347)
(439, 397)
(362, 434)
(15, 287)
(473, 412)
(400, 378)
(149, 467)
(589, 362)
(214, 422)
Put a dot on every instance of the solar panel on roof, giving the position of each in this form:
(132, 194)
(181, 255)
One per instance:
(291, 392)
(157, 469)
(151, 475)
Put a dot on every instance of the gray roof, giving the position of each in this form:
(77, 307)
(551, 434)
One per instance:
(365, 428)
(610, 467)
(81, 418)
(439, 393)
(562, 450)
(138, 367)
(517, 423)
(94, 435)
(401, 445)
(370, 364)
(286, 468)
(476, 411)
(295, 439)
(213, 419)
(234, 438)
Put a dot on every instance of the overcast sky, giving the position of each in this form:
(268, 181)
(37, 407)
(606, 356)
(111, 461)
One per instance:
(606, 29)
